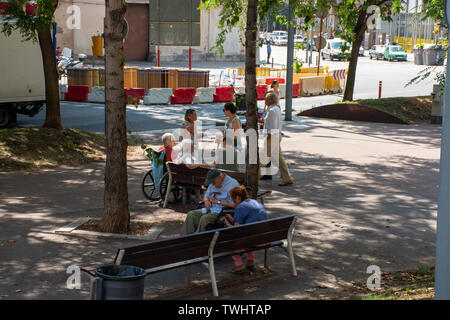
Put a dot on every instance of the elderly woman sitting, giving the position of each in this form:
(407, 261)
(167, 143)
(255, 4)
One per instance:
(169, 143)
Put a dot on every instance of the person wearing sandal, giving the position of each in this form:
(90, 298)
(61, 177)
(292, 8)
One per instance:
(246, 211)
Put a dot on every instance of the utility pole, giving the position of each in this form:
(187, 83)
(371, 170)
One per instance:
(290, 62)
(442, 272)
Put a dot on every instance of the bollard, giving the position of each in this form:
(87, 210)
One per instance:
(380, 84)
(190, 58)
(158, 59)
(272, 62)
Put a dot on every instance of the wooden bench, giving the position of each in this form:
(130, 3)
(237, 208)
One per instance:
(181, 176)
(205, 247)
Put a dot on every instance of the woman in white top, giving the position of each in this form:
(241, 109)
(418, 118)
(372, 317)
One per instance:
(272, 123)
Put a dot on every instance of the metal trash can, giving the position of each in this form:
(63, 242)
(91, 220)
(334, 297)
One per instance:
(418, 56)
(429, 56)
(118, 282)
(440, 55)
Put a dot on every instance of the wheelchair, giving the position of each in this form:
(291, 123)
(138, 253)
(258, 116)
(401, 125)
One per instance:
(148, 182)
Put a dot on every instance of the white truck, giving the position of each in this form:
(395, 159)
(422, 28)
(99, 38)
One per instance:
(22, 84)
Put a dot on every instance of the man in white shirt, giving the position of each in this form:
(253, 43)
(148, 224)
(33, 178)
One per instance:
(272, 123)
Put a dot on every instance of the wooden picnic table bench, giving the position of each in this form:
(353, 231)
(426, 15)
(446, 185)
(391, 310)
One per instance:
(181, 176)
(205, 247)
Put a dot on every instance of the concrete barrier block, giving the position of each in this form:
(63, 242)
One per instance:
(204, 95)
(97, 94)
(158, 96)
(331, 85)
(62, 90)
(282, 90)
(312, 86)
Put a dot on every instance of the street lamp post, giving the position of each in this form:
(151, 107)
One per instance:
(442, 271)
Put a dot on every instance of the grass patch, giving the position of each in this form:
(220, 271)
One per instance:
(36, 147)
(415, 284)
(408, 109)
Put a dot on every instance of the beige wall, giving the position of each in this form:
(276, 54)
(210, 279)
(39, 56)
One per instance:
(93, 13)
(91, 22)
(209, 32)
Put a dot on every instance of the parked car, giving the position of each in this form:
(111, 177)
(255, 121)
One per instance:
(298, 39)
(377, 52)
(270, 38)
(281, 41)
(392, 53)
(361, 51)
(280, 33)
(333, 49)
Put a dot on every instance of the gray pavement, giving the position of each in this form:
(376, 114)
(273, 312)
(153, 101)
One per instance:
(364, 193)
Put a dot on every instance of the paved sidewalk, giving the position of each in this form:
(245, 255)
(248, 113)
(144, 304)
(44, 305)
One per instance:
(364, 194)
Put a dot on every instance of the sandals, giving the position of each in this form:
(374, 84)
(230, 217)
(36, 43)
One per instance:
(251, 266)
(237, 270)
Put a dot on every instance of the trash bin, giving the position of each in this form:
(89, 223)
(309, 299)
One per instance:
(240, 101)
(440, 55)
(429, 56)
(119, 282)
(418, 56)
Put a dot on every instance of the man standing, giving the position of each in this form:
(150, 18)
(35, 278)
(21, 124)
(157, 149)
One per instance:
(269, 51)
(216, 197)
(272, 123)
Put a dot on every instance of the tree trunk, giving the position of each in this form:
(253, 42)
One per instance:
(52, 110)
(116, 214)
(360, 28)
(250, 95)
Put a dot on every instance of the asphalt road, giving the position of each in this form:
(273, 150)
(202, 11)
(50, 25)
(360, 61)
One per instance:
(394, 76)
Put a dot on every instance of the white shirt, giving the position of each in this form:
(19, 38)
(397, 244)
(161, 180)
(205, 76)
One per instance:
(272, 120)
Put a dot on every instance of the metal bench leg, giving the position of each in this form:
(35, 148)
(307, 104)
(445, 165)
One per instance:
(188, 276)
(289, 248)
(266, 258)
(169, 187)
(212, 272)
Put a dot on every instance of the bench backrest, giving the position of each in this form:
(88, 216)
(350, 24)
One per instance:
(168, 251)
(182, 174)
(254, 234)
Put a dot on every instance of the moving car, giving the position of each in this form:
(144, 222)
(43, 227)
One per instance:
(333, 49)
(376, 52)
(392, 53)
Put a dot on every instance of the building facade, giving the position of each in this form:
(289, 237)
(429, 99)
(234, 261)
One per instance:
(137, 43)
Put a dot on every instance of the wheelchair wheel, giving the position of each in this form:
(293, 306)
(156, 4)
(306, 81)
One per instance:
(176, 193)
(148, 186)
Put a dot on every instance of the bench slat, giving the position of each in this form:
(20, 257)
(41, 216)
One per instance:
(251, 229)
(204, 237)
